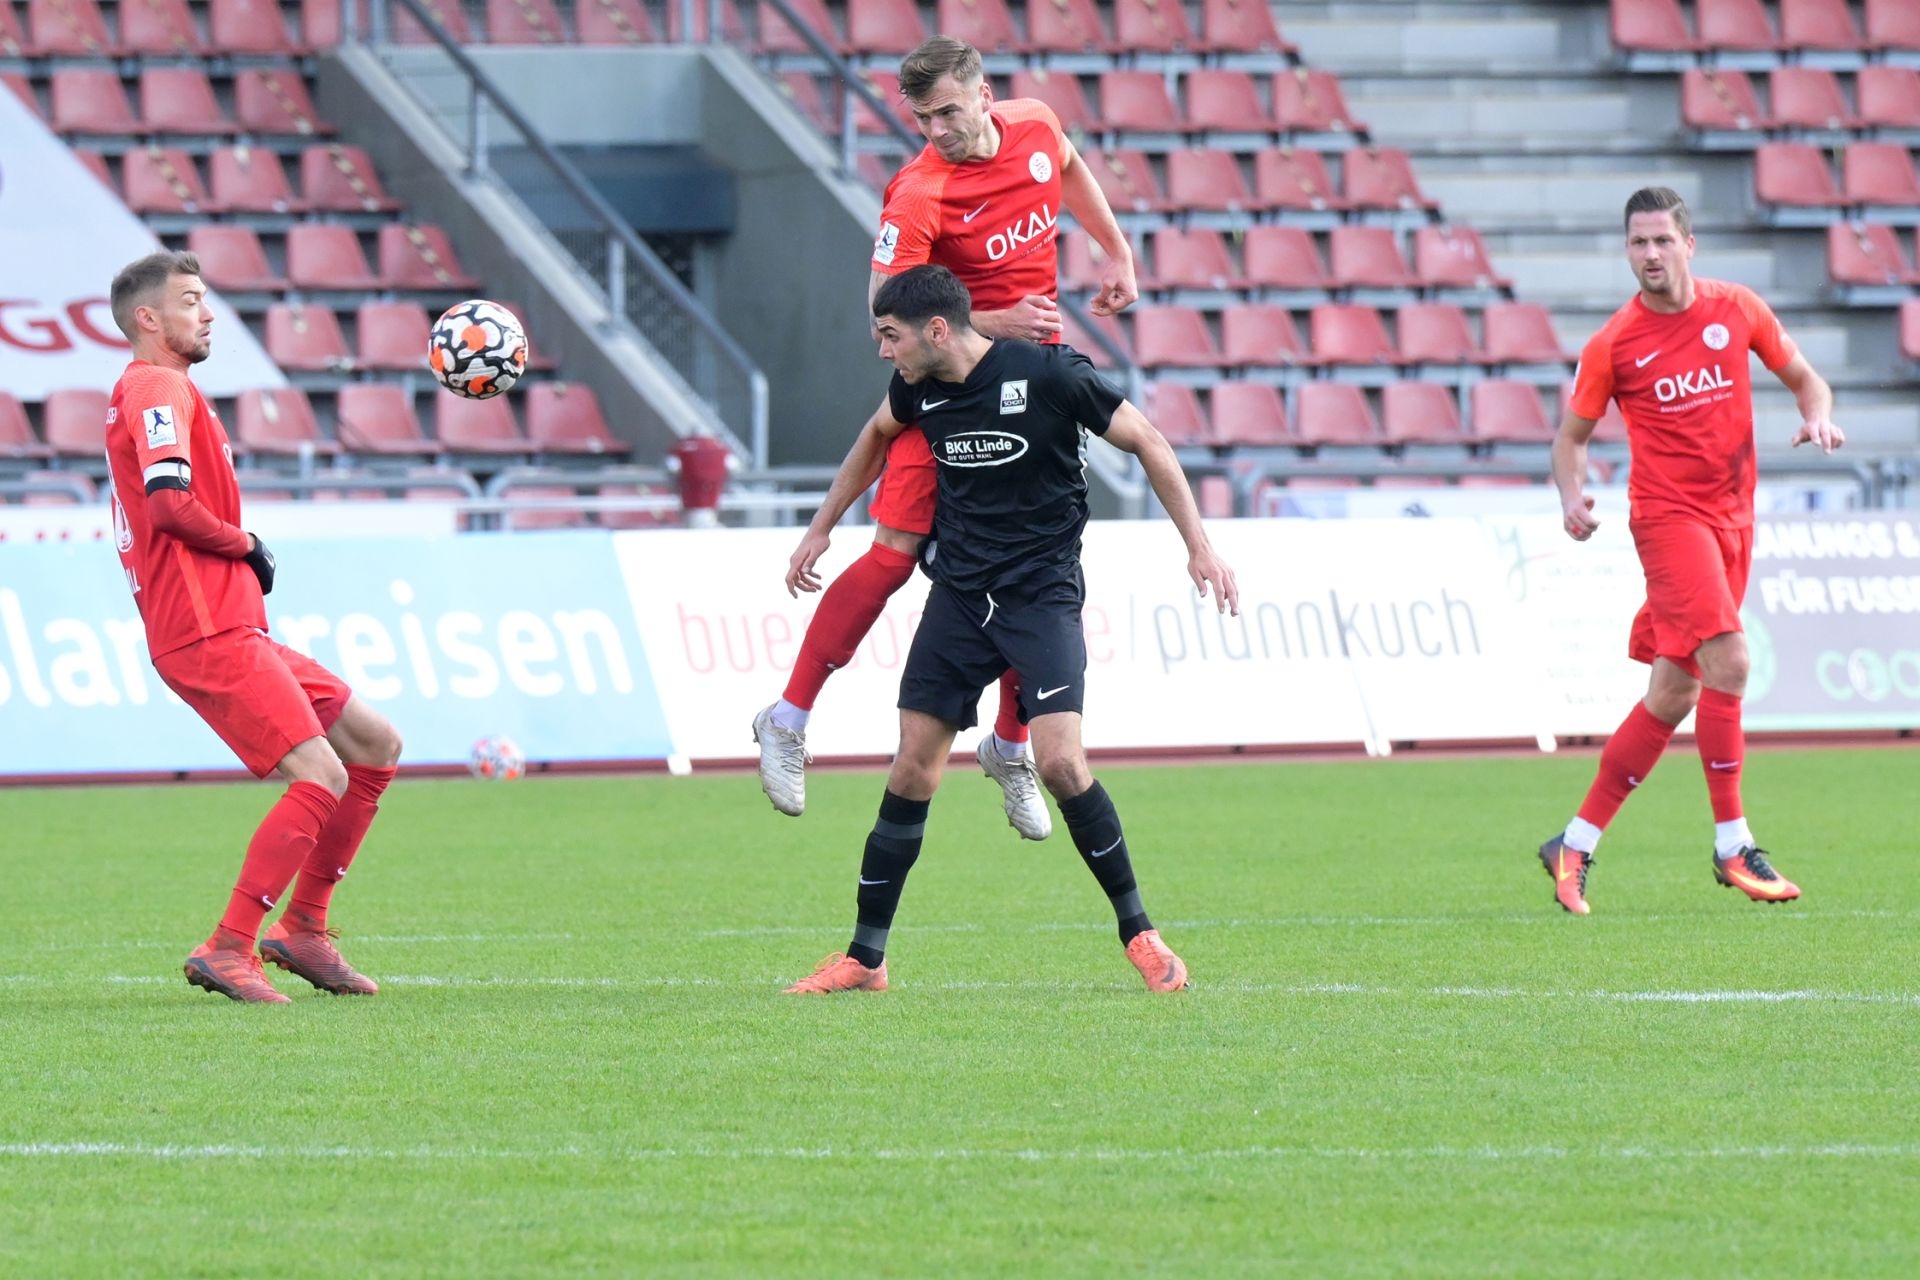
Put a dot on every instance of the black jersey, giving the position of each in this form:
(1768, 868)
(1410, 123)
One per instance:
(1011, 460)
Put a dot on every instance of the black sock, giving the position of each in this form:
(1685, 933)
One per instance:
(1095, 827)
(892, 848)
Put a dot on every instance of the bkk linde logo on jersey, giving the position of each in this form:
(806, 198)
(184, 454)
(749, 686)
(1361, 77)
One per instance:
(982, 448)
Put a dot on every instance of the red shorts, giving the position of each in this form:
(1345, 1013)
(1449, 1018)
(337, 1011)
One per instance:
(1696, 579)
(908, 488)
(261, 697)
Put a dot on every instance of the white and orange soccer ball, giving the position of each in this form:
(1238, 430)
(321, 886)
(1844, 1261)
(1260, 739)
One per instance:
(496, 758)
(477, 349)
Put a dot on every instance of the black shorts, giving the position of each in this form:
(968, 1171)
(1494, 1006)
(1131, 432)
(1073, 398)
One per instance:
(966, 641)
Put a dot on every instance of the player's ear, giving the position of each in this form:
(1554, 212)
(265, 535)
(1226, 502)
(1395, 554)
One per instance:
(937, 330)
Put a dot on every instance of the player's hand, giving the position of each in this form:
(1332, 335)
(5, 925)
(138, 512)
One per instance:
(1821, 432)
(1206, 568)
(1580, 522)
(261, 561)
(1118, 288)
(1033, 317)
(800, 574)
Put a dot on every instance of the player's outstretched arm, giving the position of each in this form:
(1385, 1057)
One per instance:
(1130, 430)
(1570, 476)
(1815, 399)
(1119, 287)
(858, 471)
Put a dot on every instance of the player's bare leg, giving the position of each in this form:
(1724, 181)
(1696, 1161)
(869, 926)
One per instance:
(1738, 861)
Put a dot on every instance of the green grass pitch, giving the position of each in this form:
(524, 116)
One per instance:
(1398, 1056)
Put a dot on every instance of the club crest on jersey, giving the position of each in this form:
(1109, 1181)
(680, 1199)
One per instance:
(981, 448)
(159, 424)
(887, 243)
(1667, 390)
(1034, 226)
(1040, 165)
(1013, 396)
(1716, 337)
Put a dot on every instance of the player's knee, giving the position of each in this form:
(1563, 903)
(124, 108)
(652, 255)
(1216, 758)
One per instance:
(386, 746)
(330, 773)
(1065, 777)
(1674, 702)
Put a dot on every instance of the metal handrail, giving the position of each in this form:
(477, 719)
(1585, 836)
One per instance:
(625, 245)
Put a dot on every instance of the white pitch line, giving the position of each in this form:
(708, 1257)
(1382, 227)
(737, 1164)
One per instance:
(397, 939)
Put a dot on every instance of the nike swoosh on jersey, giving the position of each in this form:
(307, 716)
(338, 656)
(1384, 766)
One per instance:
(977, 212)
(927, 406)
(1041, 695)
(1641, 363)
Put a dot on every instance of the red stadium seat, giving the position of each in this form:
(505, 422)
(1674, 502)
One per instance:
(1066, 26)
(1250, 414)
(524, 22)
(1819, 24)
(336, 178)
(232, 261)
(1081, 261)
(1059, 90)
(1207, 180)
(251, 27)
(1175, 410)
(565, 417)
(420, 257)
(279, 422)
(476, 426)
(1137, 101)
(1435, 333)
(1127, 181)
(16, 433)
(13, 41)
(1173, 337)
(776, 34)
(1454, 257)
(886, 87)
(1261, 334)
(306, 339)
(884, 26)
(1345, 333)
(1715, 98)
(1213, 496)
(1889, 97)
(76, 423)
(613, 22)
(96, 164)
(1381, 178)
(802, 89)
(91, 100)
(1520, 333)
(1910, 328)
(544, 517)
(1192, 259)
(1879, 173)
(250, 180)
(1282, 257)
(1736, 24)
(1306, 101)
(1290, 178)
(275, 101)
(1334, 413)
(1224, 102)
(634, 519)
(69, 29)
(163, 180)
(378, 417)
(157, 28)
(1809, 98)
(180, 100)
(327, 256)
(449, 15)
(19, 86)
(987, 25)
(393, 336)
(1893, 24)
(1240, 26)
(320, 22)
(1081, 339)
(1151, 26)
(1867, 253)
(1420, 413)
(1652, 26)
(1506, 412)
(1367, 258)
(1793, 173)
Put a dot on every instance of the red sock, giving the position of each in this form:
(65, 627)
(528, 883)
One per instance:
(339, 841)
(1007, 723)
(1625, 762)
(1723, 750)
(282, 843)
(847, 612)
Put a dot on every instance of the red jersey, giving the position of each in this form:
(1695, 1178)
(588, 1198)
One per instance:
(990, 222)
(1683, 385)
(159, 418)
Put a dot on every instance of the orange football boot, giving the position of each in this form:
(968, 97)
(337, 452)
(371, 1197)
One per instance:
(840, 973)
(1568, 867)
(225, 965)
(1163, 970)
(310, 954)
(1751, 873)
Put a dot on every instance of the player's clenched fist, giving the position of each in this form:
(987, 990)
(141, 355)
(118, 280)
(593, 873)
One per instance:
(1580, 520)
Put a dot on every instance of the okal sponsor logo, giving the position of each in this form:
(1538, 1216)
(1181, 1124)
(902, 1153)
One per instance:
(1035, 226)
(1698, 383)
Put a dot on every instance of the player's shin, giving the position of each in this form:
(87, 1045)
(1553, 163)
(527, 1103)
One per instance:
(1625, 762)
(1095, 827)
(280, 846)
(893, 847)
(847, 611)
(338, 842)
(1723, 755)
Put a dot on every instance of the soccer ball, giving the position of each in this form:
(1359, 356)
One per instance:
(496, 759)
(477, 349)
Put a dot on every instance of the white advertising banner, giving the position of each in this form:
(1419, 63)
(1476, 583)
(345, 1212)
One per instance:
(63, 236)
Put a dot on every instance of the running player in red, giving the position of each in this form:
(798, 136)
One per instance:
(981, 199)
(1675, 360)
(198, 580)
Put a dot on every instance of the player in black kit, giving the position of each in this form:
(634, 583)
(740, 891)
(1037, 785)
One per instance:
(1004, 419)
